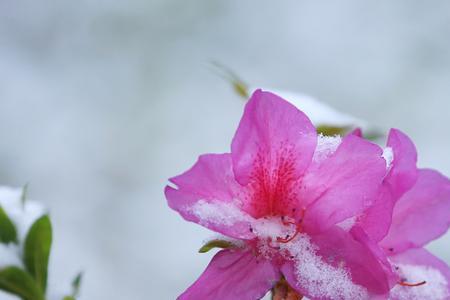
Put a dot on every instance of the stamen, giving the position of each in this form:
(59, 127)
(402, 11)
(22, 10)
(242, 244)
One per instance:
(288, 223)
(302, 215)
(298, 228)
(288, 239)
(269, 243)
(404, 283)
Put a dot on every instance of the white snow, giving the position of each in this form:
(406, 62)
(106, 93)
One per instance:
(228, 213)
(326, 146)
(219, 212)
(320, 113)
(435, 288)
(388, 156)
(348, 223)
(272, 227)
(323, 279)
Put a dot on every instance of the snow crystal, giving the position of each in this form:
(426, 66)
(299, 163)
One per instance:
(435, 287)
(388, 156)
(323, 280)
(219, 213)
(326, 145)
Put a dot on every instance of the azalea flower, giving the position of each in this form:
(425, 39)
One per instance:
(419, 202)
(285, 194)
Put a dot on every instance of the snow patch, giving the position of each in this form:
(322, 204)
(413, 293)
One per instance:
(323, 280)
(388, 156)
(272, 228)
(347, 224)
(229, 213)
(219, 213)
(326, 146)
(319, 112)
(435, 288)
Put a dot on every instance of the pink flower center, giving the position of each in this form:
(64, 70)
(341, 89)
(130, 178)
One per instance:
(273, 185)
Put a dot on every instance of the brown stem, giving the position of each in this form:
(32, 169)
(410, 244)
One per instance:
(282, 291)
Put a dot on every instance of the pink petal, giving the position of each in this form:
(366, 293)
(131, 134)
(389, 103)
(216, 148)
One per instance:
(272, 131)
(425, 265)
(403, 173)
(422, 257)
(378, 218)
(343, 185)
(401, 177)
(367, 268)
(233, 275)
(365, 261)
(210, 181)
(357, 131)
(288, 269)
(421, 215)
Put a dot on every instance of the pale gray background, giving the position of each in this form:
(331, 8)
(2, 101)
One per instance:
(102, 101)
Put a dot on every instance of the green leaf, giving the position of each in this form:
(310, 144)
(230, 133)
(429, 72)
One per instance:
(373, 135)
(216, 244)
(76, 284)
(329, 130)
(239, 86)
(8, 232)
(37, 250)
(18, 282)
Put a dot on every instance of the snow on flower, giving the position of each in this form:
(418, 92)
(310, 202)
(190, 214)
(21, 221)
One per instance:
(285, 192)
(323, 279)
(326, 145)
(320, 113)
(436, 286)
(412, 209)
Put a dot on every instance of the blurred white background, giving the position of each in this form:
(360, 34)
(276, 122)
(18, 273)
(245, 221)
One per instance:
(102, 101)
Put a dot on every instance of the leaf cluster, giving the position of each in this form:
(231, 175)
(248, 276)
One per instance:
(29, 281)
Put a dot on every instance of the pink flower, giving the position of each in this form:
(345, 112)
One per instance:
(419, 202)
(298, 203)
